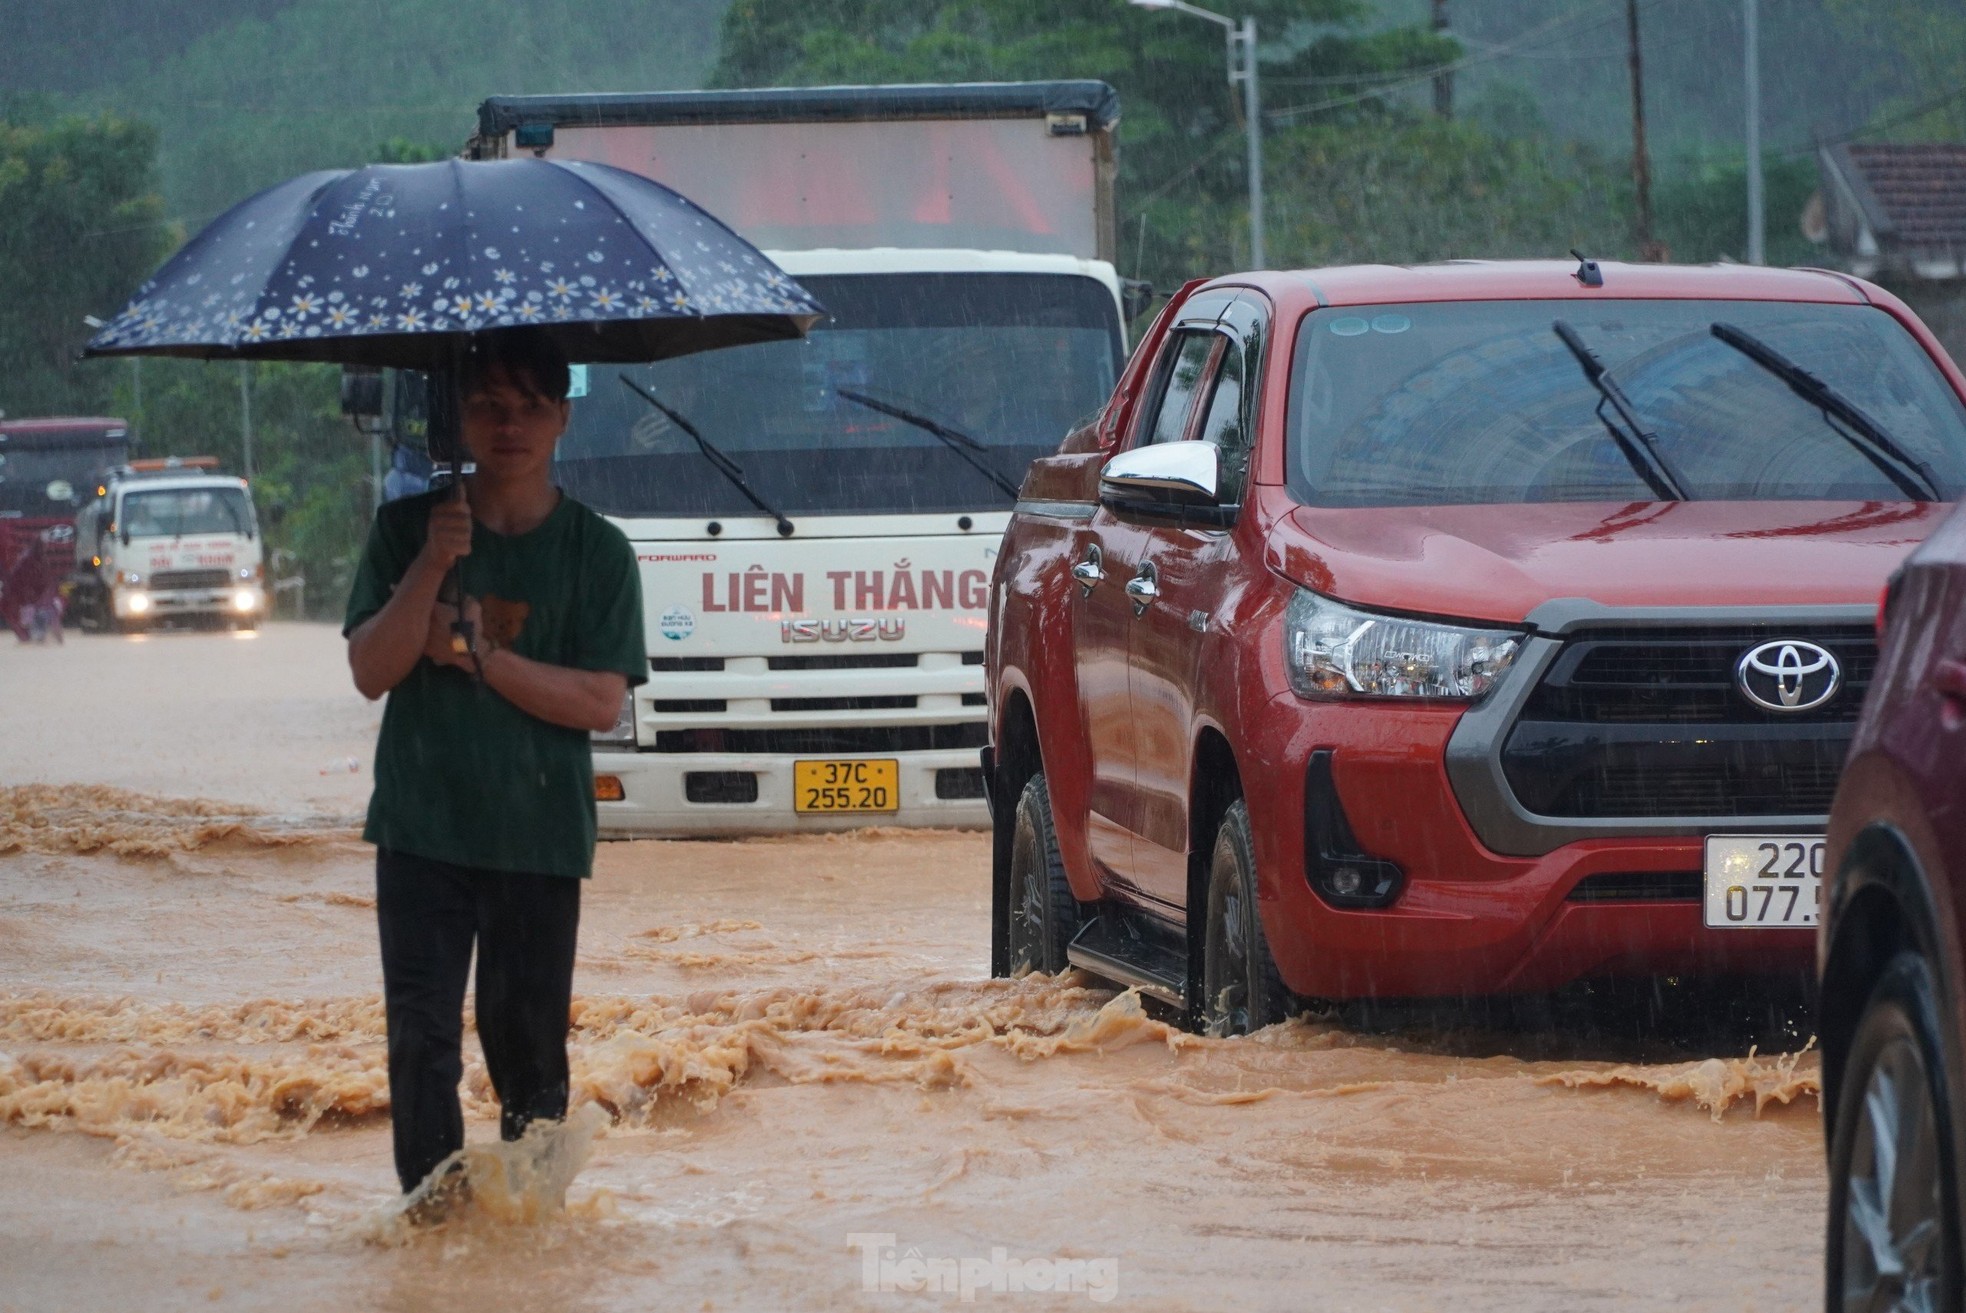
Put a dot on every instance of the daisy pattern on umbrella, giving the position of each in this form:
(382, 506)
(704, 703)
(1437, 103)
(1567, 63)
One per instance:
(582, 245)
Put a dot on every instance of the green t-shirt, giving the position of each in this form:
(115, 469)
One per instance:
(462, 775)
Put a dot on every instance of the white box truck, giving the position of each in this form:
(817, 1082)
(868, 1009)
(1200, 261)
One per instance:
(816, 520)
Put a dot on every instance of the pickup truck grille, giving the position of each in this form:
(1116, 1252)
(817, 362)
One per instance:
(172, 580)
(1650, 724)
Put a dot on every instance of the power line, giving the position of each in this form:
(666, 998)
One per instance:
(1918, 111)
(1418, 76)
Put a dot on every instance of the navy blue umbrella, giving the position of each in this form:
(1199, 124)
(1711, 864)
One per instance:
(398, 264)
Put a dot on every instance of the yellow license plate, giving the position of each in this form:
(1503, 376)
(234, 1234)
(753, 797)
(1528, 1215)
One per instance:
(846, 786)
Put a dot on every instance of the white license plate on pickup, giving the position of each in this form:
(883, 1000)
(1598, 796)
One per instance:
(1763, 881)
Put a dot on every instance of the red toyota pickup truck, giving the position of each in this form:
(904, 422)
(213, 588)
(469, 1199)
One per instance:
(1465, 629)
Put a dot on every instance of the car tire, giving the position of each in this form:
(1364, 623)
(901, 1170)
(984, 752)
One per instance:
(1240, 988)
(1042, 914)
(1893, 1217)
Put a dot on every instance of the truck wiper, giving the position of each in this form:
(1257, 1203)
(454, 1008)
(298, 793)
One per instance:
(725, 466)
(1640, 445)
(1869, 437)
(954, 439)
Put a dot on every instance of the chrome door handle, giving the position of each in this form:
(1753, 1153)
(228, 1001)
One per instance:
(1089, 572)
(1143, 589)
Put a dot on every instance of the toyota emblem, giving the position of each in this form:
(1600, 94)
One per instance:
(1789, 675)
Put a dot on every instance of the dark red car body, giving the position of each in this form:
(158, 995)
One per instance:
(1143, 725)
(1897, 858)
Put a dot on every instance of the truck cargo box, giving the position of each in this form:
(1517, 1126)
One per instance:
(1010, 166)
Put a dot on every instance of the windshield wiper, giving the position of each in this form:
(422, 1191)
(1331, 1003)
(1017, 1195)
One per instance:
(1870, 438)
(724, 465)
(1638, 443)
(954, 439)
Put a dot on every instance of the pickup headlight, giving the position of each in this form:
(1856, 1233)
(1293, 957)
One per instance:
(1337, 651)
(622, 733)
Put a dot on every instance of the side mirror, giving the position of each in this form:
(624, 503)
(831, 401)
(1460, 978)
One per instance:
(1169, 483)
(1136, 297)
(124, 534)
(361, 396)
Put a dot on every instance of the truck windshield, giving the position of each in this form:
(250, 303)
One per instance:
(1482, 402)
(175, 512)
(41, 481)
(1012, 360)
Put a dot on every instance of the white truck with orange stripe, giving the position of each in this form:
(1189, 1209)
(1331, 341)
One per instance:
(817, 520)
(169, 540)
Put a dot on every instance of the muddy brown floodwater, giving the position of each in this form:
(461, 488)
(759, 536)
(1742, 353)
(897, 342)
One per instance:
(795, 1085)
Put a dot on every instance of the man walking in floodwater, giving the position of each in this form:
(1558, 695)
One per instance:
(483, 811)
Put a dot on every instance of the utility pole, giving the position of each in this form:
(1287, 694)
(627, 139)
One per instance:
(1757, 216)
(1252, 114)
(246, 416)
(1242, 68)
(1648, 249)
(1443, 80)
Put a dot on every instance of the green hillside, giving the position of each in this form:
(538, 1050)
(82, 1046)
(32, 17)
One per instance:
(308, 84)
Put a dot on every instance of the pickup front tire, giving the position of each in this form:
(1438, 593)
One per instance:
(1240, 988)
(1042, 915)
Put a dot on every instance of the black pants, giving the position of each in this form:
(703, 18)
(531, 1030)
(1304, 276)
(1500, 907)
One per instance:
(525, 926)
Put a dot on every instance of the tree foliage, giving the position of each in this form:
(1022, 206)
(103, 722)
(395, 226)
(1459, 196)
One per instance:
(1412, 189)
(304, 85)
(81, 224)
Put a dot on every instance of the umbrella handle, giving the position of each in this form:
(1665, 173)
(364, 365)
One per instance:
(464, 641)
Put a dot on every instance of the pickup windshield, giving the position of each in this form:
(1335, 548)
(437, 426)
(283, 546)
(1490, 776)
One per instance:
(1482, 402)
(176, 512)
(1012, 360)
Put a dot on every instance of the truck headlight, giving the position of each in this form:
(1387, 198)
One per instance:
(246, 599)
(138, 603)
(1337, 651)
(622, 733)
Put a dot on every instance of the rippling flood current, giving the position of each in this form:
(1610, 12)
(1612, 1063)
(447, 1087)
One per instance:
(795, 1086)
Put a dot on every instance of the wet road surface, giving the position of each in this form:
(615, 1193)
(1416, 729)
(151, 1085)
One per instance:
(801, 1089)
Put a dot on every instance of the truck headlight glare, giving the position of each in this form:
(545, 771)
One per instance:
(245, 600)
(1337, 651)
(138, 603)
(622, 733)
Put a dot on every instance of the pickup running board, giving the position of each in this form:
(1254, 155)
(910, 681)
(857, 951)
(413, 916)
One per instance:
(1148, 958)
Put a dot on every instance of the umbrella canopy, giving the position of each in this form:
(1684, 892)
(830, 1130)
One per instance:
(397, 264)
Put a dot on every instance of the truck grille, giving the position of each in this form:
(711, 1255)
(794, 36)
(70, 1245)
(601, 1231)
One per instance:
(170, 580)
(1650, 723)
(817, 740)
(847, 661)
